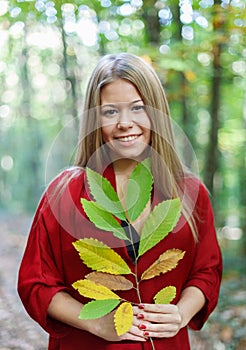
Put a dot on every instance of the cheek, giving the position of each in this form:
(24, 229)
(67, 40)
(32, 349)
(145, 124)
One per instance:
(149, 136)
(147, 128)
(106, 133)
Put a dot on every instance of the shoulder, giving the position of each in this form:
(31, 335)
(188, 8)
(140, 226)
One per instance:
(194, 187)
(69, 180)
(70, 177)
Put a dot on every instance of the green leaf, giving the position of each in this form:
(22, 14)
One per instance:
(102, 219)
(159, 223)
(98, 256)
(104, 194)
(139, 190)
(98, 308)
(165, 295)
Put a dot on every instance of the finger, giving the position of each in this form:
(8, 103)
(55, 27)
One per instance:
(134, 334)
(159, 318)
(137, 320)
(132, 337)
(148, 334)
(160, 331)
(158, 308)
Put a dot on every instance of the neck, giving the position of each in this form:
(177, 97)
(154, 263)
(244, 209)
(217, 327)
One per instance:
(124, 166)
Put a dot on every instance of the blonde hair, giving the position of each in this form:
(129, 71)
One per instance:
(167, 169)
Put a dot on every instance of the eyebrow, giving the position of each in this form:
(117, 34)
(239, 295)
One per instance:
(115, 104)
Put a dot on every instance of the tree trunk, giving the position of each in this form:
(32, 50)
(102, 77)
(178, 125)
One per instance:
(70, 77)
(32, 139)
(151, 19)
(212, 159)
(185, 115)
(242, 187)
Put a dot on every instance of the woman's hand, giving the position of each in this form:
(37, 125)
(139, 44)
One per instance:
(159, 320)
(165, 320)
(104, 328)
(66, 309)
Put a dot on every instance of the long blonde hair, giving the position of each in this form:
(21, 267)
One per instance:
(167, 169)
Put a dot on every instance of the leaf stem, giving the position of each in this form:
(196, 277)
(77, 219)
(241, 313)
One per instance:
(135, 261)
(136, 275)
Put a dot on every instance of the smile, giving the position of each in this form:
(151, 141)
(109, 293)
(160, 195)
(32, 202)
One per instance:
(127, 138)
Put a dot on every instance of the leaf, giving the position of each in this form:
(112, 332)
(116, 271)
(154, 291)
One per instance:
(100, 257)
(98, 308)
(110, 281)
(102, 219)
(166, 262)
(104, 194)
(139, 190)
(159, 223)
(165, 295)
(90, 289)
(123, 318)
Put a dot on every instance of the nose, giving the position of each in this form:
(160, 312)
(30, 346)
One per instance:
(125, 121)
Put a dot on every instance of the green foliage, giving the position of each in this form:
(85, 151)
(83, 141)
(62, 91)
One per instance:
(138, 190)
(102, 219)
(104, 194)
(159, 223)
(103, 259)
(98, 308)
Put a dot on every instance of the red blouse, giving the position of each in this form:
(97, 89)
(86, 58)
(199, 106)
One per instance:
(51, 264)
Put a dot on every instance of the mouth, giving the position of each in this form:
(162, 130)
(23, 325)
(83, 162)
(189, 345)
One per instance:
(127, 138)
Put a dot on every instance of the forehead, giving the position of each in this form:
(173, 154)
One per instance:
(120, 90)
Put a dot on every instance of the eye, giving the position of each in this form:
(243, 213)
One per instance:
(137, 108)
(111, 112)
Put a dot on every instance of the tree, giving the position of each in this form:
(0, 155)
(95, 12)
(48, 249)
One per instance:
(212, 149)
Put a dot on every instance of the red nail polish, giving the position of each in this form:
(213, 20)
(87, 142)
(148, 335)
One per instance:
(142, 326)
(140, 316)
(141, 306)
(146, 334)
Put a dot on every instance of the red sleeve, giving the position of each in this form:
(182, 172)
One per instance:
(206, 271)
(40, 274)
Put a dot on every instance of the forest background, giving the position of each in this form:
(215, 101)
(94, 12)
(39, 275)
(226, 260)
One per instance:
(198, 48)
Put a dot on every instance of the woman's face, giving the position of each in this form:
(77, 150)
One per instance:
(126, 127)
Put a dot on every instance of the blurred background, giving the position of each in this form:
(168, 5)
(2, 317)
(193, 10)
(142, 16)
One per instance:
(47, 52)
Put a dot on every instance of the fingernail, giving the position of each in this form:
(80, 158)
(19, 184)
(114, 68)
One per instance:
(141, 306)
(140, 316)
(142, 326)
(146, 334)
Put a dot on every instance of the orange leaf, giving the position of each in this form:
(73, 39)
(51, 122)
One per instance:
(112, 282)
(166, 262)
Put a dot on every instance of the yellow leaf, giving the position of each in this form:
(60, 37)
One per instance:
(123, 318)
(190, 75)
(100, 257)
(166, 262)
(90, 289)
(110, 281)
(165, 295)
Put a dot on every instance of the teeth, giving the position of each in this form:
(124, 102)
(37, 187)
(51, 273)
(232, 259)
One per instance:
(127, 138)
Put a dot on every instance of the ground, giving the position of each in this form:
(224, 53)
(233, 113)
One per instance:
(225, 330)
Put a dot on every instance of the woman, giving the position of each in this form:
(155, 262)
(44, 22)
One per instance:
(126, 119)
